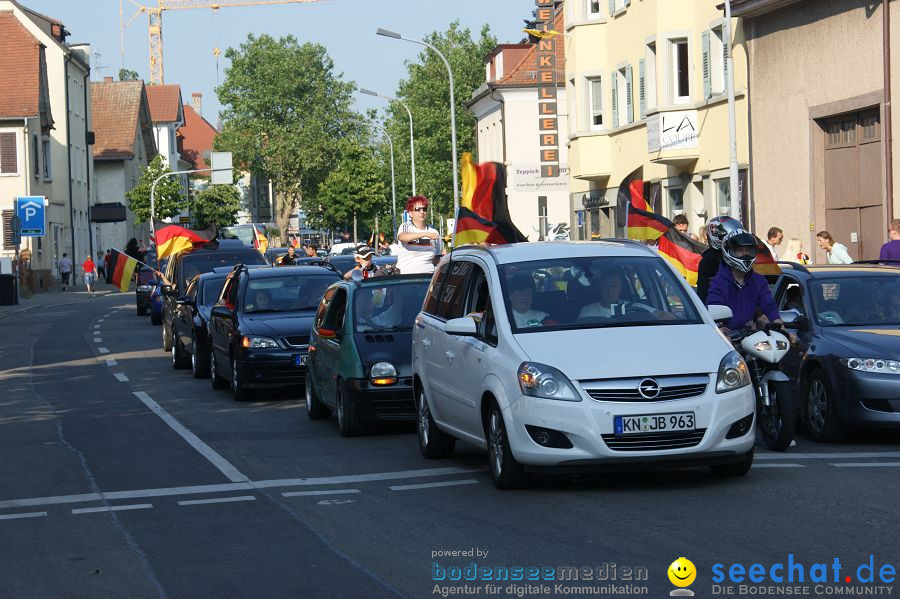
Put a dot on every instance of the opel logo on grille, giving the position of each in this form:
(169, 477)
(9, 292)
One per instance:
(648, 389)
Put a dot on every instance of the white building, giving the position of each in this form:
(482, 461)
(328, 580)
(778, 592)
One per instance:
(167, 113)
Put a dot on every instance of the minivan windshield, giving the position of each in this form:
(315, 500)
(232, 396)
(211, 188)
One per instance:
(197, 264)
(391, 307)
(592, 292)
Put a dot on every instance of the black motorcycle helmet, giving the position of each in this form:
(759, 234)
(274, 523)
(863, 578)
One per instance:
(739, 250)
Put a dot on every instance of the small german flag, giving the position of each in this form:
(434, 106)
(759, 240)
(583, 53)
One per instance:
(683, 252)
(174, 239)
(122, 267)
(765, 264)
(483, 211)
(260, 241)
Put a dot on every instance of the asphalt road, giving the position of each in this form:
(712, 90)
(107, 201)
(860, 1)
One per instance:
(121, 477)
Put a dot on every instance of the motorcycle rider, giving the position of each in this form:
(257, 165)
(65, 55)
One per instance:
(717, 229)
(737, 286)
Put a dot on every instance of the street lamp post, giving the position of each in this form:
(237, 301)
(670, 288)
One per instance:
(172, 174)
(397, 36)
(393, 180)
(412, 144)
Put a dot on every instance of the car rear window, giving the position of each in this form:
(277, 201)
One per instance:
(392, 307)
(197, 264)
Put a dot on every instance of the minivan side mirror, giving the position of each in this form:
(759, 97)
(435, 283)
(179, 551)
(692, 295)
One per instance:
(464, 326)
(720, 314)
(221, 312)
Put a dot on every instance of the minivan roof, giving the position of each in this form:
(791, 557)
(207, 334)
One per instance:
(538, 250)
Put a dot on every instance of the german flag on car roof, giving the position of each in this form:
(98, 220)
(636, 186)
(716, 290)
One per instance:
(483, 212)
(765, 264)
(174, 239)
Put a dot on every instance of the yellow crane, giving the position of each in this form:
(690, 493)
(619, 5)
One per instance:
(154, 16)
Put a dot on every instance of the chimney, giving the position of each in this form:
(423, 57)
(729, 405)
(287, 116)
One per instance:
(107, 80)
(197, 102)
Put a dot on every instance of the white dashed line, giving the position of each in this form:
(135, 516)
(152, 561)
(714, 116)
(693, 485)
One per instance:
(867, 464)
(102, 350)
(98, 340)
(226, 467)
(111, 363)
(121, 377)
(217, 500)
(112, 508)
(755, 465)
(96, 326)
(323, 492)
(446, 483)
(22, 515)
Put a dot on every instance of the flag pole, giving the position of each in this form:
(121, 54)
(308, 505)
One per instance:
(627, 210)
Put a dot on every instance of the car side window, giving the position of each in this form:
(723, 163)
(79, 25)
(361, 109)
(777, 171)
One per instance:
(334, 318)
(480, 307)
(792, 297)
(430, 305)
(323, 306)
(453, 291)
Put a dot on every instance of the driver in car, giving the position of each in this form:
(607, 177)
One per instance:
(261, 301)
(608, 284)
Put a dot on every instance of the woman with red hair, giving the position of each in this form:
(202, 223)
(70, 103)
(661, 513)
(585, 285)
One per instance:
(417, 240)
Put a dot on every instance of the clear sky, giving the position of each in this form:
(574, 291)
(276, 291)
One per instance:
(345, 27)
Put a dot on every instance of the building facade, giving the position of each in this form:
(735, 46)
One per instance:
(45, 137)
(646, 88)
(817, 106)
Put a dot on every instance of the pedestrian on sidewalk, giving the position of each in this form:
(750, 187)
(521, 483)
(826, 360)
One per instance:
(65, 270)
(774, 238)
(835, 253)
(89, 271)
(891, 250)
(101, 266)
(106, 260)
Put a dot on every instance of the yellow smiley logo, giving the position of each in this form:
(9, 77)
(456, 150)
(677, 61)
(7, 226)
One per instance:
(682, 572)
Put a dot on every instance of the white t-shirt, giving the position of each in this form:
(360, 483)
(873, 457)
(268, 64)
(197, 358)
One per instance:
(771, 250)
(605, 310)
(532, 318)
(413, 258)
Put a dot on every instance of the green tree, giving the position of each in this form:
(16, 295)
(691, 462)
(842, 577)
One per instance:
(427, 92)
(354, 186)
(283, 109)
(168, 194)
(216, 205)
(128, 75)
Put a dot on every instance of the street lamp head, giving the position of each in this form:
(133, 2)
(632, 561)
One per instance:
(368, 92)
(387, 33)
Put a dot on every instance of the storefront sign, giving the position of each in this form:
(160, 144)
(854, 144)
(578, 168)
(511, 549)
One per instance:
(548, 123)
(528, 177)
(676, 130)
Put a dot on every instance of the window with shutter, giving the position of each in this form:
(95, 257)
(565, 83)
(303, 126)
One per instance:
(7, 216)
(612, 6)
(642, 88)
(595, 86)
(9, 159)
(629, 96)
(35, 155)
(707, 83)
(615, 104)
(650, 75)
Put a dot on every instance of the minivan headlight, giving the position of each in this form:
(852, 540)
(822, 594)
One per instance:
(733, 373)
(540, 380)
(383, 373)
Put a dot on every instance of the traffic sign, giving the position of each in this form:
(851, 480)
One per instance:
(30, 210)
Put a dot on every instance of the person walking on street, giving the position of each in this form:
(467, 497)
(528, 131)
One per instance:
(891, 250)
(774, 238)
(835, 253)
(417, 249)
(89, 271)
(65, 270)
(101, 266)
(106, 271)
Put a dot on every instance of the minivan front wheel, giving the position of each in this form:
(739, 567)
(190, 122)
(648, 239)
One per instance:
(433, 442)
(506, 472)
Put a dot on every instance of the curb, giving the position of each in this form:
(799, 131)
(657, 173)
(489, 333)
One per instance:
(8, 313)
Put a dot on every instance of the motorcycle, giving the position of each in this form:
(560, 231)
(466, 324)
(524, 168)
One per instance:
(776, 416)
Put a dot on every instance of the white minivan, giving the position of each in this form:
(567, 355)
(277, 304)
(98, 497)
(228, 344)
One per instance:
(568, 356)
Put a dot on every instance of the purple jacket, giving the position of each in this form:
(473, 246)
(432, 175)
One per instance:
(743, 301)
(890, 250)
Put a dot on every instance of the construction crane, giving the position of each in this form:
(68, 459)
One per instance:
(154, 16)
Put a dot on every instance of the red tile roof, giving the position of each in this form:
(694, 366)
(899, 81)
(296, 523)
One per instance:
(116, 108)
(164, 102)
(20, 69)
(197, 138)
(525, 73)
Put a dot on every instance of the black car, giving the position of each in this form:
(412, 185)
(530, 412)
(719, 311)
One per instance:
(259, 328)
(846, 363)
(190, 345)
(183, 267)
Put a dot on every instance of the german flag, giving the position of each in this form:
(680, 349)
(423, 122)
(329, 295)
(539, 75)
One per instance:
(765, 264)
(260, 241)
(174, 239)
(122, 267)
(483, 212)
(683, 252)
(641, 222)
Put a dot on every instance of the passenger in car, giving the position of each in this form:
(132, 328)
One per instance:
(262, 299)
(521, 295)
(608, 285)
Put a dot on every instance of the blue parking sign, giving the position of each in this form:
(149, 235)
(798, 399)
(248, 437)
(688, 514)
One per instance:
(30, 210)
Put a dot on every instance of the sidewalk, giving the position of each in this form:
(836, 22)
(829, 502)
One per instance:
(53, 298)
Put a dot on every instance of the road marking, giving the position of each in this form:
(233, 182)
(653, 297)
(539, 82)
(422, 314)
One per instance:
(99, 320)
(336, 501)
(102, 350)
(322, 492)
(445, 483)
(866, 464)
(755, 465)
(224, 466)
(22, 515)
(217, 500)
(112, 508)
(111, 363)
(120, 377)
(96, 326)
(826, 455)
(98, 340)
(226, 487)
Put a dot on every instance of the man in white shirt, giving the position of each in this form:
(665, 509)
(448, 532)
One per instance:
(417, 240)
(608, 284)
(521, 294)
(774, 238)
